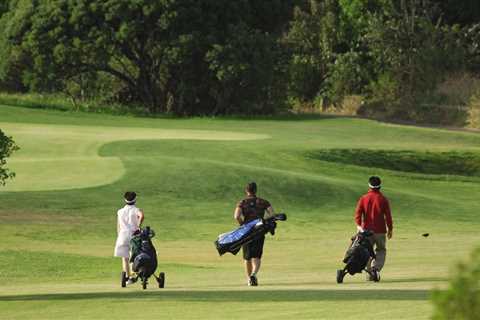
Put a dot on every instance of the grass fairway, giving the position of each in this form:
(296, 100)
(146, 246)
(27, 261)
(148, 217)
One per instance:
(57, 218)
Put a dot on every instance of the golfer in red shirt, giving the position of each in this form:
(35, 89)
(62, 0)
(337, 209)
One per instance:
(373, 213)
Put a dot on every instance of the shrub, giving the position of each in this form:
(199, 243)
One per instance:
(458, 88)
(474, 112)
(462, 298)
(7, 146)
(346, 76)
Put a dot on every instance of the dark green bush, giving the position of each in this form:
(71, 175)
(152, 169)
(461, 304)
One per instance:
(461, 301)
(7, 146)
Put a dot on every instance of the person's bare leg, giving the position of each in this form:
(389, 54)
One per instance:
(126, 266)
(248, 268)
(256, 262)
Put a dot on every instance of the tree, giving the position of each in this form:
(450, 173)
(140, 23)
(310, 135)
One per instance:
(412, 52)
(355, 15)
(7, 146)
(472, 44)
(247, 76)
(313, 40)
(161, 51)
(462, 12)
(13, 60)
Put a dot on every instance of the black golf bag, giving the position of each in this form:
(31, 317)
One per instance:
(357, 256)
(144, 257)
(234, 240)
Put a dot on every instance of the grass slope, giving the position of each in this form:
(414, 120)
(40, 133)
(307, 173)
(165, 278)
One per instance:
(57, 218)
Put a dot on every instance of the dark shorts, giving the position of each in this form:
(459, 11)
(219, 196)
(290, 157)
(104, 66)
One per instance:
(254, 249)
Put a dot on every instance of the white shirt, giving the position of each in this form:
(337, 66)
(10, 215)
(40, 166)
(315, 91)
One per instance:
(127, 218)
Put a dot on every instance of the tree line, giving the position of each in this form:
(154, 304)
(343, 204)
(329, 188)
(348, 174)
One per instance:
(215, 57)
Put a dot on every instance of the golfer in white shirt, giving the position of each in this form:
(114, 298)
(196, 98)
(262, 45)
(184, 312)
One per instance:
(129, 219)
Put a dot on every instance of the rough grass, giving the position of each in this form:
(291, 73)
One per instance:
(56, 250)
(62, 102)
(439, 163)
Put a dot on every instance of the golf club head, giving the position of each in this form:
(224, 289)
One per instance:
(281, 217)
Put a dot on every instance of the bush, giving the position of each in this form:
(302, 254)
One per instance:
(347, 76)
(412, 54)
(62, 102)
(458, 88)
(462, 299)
(7, 146)
(474, 112)
(384, 102)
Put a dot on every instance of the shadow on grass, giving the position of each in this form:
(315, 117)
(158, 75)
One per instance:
(429, 163)
(426, 279)
(234, 296)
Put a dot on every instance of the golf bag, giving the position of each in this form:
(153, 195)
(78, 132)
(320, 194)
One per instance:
(144, 257)
(234, 240)
(357, 256)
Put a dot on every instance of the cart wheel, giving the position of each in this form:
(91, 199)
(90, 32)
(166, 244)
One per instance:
(340, 275)
(161, 280)
(124, 279)
(144, 284)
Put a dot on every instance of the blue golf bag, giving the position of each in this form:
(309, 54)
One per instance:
(234, 240)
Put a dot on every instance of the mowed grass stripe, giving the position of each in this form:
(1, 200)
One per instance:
(345, 184)
(189, 188)
(58, 157)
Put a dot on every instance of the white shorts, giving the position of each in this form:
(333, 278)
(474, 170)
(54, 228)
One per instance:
(122, 245)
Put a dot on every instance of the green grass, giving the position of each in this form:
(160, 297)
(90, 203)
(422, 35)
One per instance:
(64, 102)
(57, 218)
(440, 163)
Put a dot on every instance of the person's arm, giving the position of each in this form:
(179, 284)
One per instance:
(270, 212)
(118, 223)
(140, 216)
(237, 215)
(358, 215)
(388, 220)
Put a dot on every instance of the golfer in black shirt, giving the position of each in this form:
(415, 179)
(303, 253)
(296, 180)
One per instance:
(249, 209)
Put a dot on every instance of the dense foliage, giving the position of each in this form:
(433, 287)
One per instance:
(7, 146)
(462, 299)
(237, 57)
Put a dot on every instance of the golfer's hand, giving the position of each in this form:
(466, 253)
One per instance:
(389, 234)
(359, 229)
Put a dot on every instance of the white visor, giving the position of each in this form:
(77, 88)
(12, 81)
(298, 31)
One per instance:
(131, 201)
(374, 187)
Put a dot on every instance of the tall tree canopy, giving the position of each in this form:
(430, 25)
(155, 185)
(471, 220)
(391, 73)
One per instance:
(183, 56)
(229, 57)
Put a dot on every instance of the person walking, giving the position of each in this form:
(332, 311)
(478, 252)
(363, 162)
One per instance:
(373, 213)
(129, 220)
(251, 208)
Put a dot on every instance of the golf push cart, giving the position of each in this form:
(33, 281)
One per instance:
(144, 259)
(234, 240)
(357, 257)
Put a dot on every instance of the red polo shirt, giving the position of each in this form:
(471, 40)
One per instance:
(373, 212)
